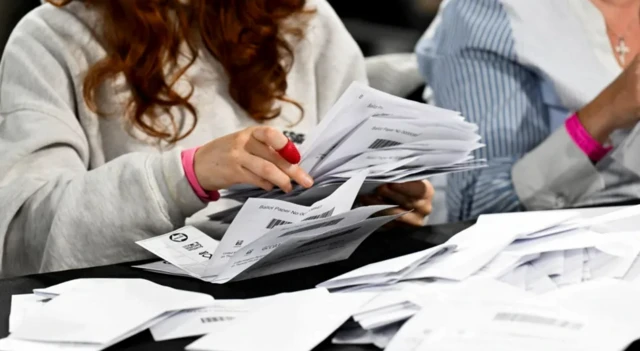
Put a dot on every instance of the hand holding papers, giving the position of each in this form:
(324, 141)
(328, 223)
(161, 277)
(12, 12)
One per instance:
(271, 236)
(394, 139)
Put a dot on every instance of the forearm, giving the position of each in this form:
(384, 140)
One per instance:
(78, 219)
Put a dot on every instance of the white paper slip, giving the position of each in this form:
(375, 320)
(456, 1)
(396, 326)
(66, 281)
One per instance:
(303, 251)
(379, 337)
(577, 223)
(73, 285)
(572, 270)
(504, 263)
(163, 267)
(204, 320)
(258, 217)
(550, 263)
(411, 141)
(23, 306)
(272, 236)
(456, 310)
(186, 248)
(388, 271)
(126, 306)
(285, 325)
(14, 344)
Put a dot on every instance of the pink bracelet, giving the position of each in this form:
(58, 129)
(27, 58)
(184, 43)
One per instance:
(188, 157)
(590, 146)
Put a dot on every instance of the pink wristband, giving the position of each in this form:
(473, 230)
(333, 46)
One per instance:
(188, 157)
(591, 147)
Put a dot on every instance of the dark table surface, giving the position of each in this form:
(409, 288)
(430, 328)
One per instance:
(380, 246)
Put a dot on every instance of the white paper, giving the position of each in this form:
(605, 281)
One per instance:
(286, 324)
(379, 337)
(163, 267)
(550, 263)
(23, 306)
(411, 141)
(388, 271)
(573, 268)
(124, 305)
(186, 248)
(201, 321)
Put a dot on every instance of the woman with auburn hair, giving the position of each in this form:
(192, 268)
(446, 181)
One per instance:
(104, 105)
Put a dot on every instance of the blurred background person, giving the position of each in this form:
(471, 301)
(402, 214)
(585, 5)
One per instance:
(555, 89)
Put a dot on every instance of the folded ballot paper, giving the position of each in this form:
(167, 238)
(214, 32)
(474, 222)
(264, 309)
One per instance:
(270, 236)
(92, 314)
(394, 139)
(512, 248)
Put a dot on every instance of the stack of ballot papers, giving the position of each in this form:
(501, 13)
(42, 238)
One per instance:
(513, 247)
(92, 314)
(394, 139)
(524, 256)
(269, 236)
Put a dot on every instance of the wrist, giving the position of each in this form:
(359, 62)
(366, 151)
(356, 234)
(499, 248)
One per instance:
(591, 147)
(597, 118)
(188, 164)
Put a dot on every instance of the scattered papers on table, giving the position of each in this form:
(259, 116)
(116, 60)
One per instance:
(95, 314)
(271, 236)
(525, 281)
(395, 140)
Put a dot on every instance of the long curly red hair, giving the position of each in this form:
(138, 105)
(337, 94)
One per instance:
(145, 37)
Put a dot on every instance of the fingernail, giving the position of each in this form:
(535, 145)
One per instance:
(307, 181)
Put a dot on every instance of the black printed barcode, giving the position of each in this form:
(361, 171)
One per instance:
(276, 222)
(216, 319)
(313, 227)
(533, 319)
(382, 143)
(320, 216)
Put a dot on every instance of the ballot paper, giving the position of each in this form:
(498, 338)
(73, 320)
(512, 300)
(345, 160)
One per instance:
(271, 236)
(394, 139)
(22, 306)
(126, 307)
(380, 337)
(462, 256)
(211, 319)
(298, 322)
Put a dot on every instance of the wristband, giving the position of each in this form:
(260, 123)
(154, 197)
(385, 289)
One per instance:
(188, 158)
(590, 146)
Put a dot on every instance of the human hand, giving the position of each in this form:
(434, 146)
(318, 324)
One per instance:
(249, 156)
(413, 196)
(616, 107)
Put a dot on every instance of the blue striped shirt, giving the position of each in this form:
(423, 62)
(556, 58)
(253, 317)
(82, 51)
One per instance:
(470, 63)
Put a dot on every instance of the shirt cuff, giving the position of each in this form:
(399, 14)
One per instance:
(627, 153)
(590, 146)
(556, 174)
(188, 158)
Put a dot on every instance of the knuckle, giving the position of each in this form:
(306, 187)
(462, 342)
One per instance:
(267, 169)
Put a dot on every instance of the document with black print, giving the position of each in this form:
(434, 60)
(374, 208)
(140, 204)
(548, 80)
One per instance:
(270, 236)
(394, 139)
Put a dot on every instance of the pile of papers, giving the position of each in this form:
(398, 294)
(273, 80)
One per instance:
(92, 314)
(558, 280)
(504, 275)
(395, 140)
(270, 236)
